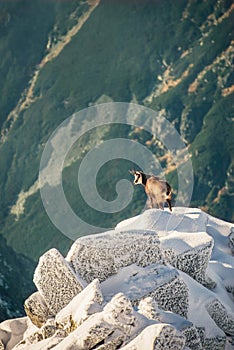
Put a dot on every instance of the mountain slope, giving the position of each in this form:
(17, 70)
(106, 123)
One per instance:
(159, 280)
(174, 57)
(15, 284)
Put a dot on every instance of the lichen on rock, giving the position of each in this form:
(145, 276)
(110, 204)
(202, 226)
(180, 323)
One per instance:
(148, 289)
(221, 317)
(36, 309)
(56, 281)
(189, 252)
(102, 255)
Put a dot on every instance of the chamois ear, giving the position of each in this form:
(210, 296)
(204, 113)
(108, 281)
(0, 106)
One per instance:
(132, 171)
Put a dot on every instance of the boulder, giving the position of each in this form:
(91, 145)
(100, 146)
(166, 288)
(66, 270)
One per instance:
(116, 324)
(157, 337)
(84, 304)
(162, 283)
(149, 308)
(13, 331)
(102, 255)
(36, 309)
(163, 221)
(222, 318)
(56, 281)
(189, 252)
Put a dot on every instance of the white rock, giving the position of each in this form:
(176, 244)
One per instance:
(45, 344)
(69, 318)
(157, 337)
(189, 252)
(149, 308)
(222, 318)
(199, 298)
(13, 331)
(102, 255)
(36, 309)
(117, 320)
(81, 306)
(180, 219)
(56, 281)
(130, 260)
(161, 282)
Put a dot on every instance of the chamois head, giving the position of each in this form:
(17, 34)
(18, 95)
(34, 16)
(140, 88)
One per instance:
(137, 176)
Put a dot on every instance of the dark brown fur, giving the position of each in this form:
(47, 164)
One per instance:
(157, 190)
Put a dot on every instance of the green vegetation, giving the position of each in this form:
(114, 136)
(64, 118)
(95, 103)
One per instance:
(125, 51)
(16, 277)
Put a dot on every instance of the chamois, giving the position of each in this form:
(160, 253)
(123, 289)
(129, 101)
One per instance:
(158, 190)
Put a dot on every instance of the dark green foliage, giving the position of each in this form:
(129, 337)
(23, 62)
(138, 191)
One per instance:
(16, 281)
(122, 51)
(23, 40)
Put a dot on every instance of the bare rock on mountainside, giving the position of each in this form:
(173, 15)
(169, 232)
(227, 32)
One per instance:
(36, 309)
(162, 283)
(231, 240)
(56, 281)
(190, 253)
(149, 308)
(132, 288)
(84, 304)
(102, 255)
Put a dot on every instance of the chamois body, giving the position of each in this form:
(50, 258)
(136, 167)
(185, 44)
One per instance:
(158, 190)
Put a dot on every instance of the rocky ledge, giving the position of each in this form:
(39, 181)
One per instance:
(160, 280)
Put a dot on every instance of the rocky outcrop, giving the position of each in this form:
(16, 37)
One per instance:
(149, 308)
(189, 252)
(231, 240)
(101, 256)
(221, 317)
(84, 304)
(180, 220)
(36, 309)
(14, 330)
(132, 289)
(157, 337)
(161, 282)
(56, 281)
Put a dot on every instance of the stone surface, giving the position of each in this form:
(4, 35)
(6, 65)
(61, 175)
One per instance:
(102, 255)
(37, 342)
(219, 314)
(116, 323)
(46, 331)
(56, 281)
(161, 282)
(180, 220)
(36, 309)
(157, 337)
(172, 296)
(84, 304)
(193, 340)
(231, 240)
(12, 331)
(149, 308)
(218, 343)
(189, 252)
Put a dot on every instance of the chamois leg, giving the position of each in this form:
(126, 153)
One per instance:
(169, 204)
(148, 204)
(160, 205)
(151, 202)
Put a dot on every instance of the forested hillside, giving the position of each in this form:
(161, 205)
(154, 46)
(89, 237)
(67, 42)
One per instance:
(58, 57)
